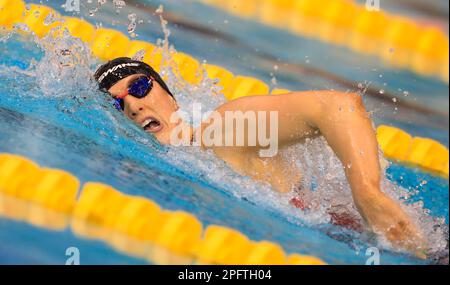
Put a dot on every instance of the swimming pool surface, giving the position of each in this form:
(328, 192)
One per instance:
(59, 121)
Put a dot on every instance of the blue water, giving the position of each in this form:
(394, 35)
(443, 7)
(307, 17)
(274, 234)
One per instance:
(72, 128)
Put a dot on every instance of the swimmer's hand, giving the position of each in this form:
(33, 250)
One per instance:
(387, 218)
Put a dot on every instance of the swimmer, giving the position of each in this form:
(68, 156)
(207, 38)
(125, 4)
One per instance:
(141, 94)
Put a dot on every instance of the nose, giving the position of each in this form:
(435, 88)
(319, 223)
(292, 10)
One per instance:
(135, 105)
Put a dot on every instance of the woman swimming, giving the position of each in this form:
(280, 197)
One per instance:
(341, 118)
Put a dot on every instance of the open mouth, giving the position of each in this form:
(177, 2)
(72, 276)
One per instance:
(151, 125)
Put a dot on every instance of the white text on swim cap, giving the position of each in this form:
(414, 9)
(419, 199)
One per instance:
(112, 69)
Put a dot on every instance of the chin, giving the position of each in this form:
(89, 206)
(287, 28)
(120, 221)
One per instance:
(163, 138)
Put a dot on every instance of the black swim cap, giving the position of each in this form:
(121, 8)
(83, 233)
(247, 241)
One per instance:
(115, 70)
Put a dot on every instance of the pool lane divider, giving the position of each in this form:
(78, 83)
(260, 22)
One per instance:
(140, 218)
(397, 40)
(100, 207)
(107, 44)
(426, 153)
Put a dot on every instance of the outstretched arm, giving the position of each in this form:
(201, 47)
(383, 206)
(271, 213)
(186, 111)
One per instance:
(348, 129)
(342, 119)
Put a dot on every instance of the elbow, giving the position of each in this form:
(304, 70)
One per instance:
(356, 100)
(352, 100)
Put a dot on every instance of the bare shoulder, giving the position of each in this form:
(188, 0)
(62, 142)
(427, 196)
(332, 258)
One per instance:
(280, 102)
(261, 101)
(257, 102)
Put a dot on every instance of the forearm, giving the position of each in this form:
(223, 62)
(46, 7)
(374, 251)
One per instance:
(342, 119)
(349, 132)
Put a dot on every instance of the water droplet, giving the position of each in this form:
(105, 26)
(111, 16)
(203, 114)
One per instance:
(132, 24)
(50, 19)
(22, 27)
(92, 12)
(160, 9)
(119, 4)
(274, 81)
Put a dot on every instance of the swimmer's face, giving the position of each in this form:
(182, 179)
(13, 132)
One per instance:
(152, 113)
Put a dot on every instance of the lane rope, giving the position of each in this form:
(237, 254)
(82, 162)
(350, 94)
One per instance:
(139, 217)
(397, 40)
(100, 210)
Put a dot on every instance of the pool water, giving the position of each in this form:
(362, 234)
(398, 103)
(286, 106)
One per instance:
(56, 118)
